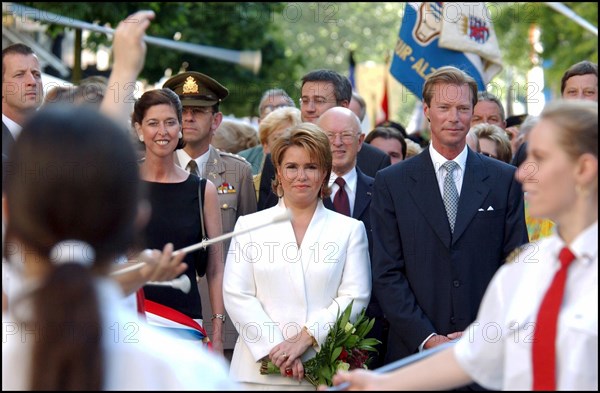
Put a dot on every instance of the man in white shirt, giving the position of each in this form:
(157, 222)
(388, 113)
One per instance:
(22, 90)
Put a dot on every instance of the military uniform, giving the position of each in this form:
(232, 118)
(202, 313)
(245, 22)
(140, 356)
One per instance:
(230, 173)
(232, 176)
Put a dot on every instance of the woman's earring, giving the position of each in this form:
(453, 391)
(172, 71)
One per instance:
(581, 191)
(141, 138)
(180, 135)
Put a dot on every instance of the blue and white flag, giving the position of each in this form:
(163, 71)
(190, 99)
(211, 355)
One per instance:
(434, 35)
(352, 70)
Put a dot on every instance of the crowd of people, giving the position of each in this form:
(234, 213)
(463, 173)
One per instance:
(485, 225)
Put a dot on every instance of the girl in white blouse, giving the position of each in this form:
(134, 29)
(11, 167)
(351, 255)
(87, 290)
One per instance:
(72, 205)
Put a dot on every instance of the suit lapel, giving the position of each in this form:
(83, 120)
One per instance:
(364, 191)
(7, 140)
(474, 191)
(328, 203)
(425, 193)
(312, 237)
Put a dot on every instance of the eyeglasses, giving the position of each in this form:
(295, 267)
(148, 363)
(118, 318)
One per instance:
(346, 137)
(203, 110)
(317, 101)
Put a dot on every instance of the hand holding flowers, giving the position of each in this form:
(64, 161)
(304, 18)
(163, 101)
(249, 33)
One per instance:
(345, 348)
(285, 356)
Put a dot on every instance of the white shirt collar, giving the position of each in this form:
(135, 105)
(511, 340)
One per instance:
(351, 178)
(185, 158)
(13, 127)
(439, 160)
(585, 245)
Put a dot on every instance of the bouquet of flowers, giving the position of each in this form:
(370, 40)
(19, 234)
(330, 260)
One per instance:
(345, 348)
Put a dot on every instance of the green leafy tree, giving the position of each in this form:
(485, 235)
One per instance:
(562, 42)
(297, 37)
(237, 26)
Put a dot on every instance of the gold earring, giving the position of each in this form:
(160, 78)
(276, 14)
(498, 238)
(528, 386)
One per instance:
(581, 191)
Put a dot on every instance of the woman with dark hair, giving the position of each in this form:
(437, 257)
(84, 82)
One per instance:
(183, 208)
(73, 204)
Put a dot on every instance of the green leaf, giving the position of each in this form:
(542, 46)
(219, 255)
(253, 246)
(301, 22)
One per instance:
(368, 348)
(368, 342)
(365, 327)
(335, 354)
(346, 314)
(352, 341)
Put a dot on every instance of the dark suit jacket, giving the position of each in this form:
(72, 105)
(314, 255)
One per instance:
(369, 160)
(362, 212)
(427, 279)
(362, 203)
(7, 140)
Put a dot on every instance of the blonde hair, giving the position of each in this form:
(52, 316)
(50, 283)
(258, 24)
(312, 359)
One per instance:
(275, 119)
(577, 124)
(412, 148)
(497, 135)
(234, 136)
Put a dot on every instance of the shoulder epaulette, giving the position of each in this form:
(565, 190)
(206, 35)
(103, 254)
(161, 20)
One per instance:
(232, 155)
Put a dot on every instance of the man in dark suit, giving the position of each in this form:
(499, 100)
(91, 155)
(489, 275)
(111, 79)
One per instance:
(321, 90)
(343, 130)
(22, 90)
(342, 127)
(433, 259)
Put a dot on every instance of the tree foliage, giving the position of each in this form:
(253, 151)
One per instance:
(563, 42)
(237, 26)
(297, 37)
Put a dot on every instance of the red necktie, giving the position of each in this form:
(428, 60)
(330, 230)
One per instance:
(544, 337)
(341, 204)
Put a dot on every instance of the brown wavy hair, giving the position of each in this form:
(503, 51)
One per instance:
(311, 138)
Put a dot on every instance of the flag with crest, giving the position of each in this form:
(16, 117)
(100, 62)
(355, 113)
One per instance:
(434, 35)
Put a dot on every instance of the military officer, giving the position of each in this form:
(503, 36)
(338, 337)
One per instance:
(230, 173)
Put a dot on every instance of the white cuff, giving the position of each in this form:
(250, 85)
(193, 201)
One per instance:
(421, 347)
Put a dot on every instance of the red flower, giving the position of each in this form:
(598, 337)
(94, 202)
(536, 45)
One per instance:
(343, 355)
(358, 358)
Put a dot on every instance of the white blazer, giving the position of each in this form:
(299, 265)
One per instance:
(272, 288)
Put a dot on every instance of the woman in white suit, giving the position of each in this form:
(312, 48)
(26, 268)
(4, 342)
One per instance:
(285, 283)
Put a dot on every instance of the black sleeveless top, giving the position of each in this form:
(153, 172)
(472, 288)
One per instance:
(176, 218)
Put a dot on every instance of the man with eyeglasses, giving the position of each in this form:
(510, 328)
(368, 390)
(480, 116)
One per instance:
(200, 96)
(324, 89)
(321, 90)
(343, 129)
